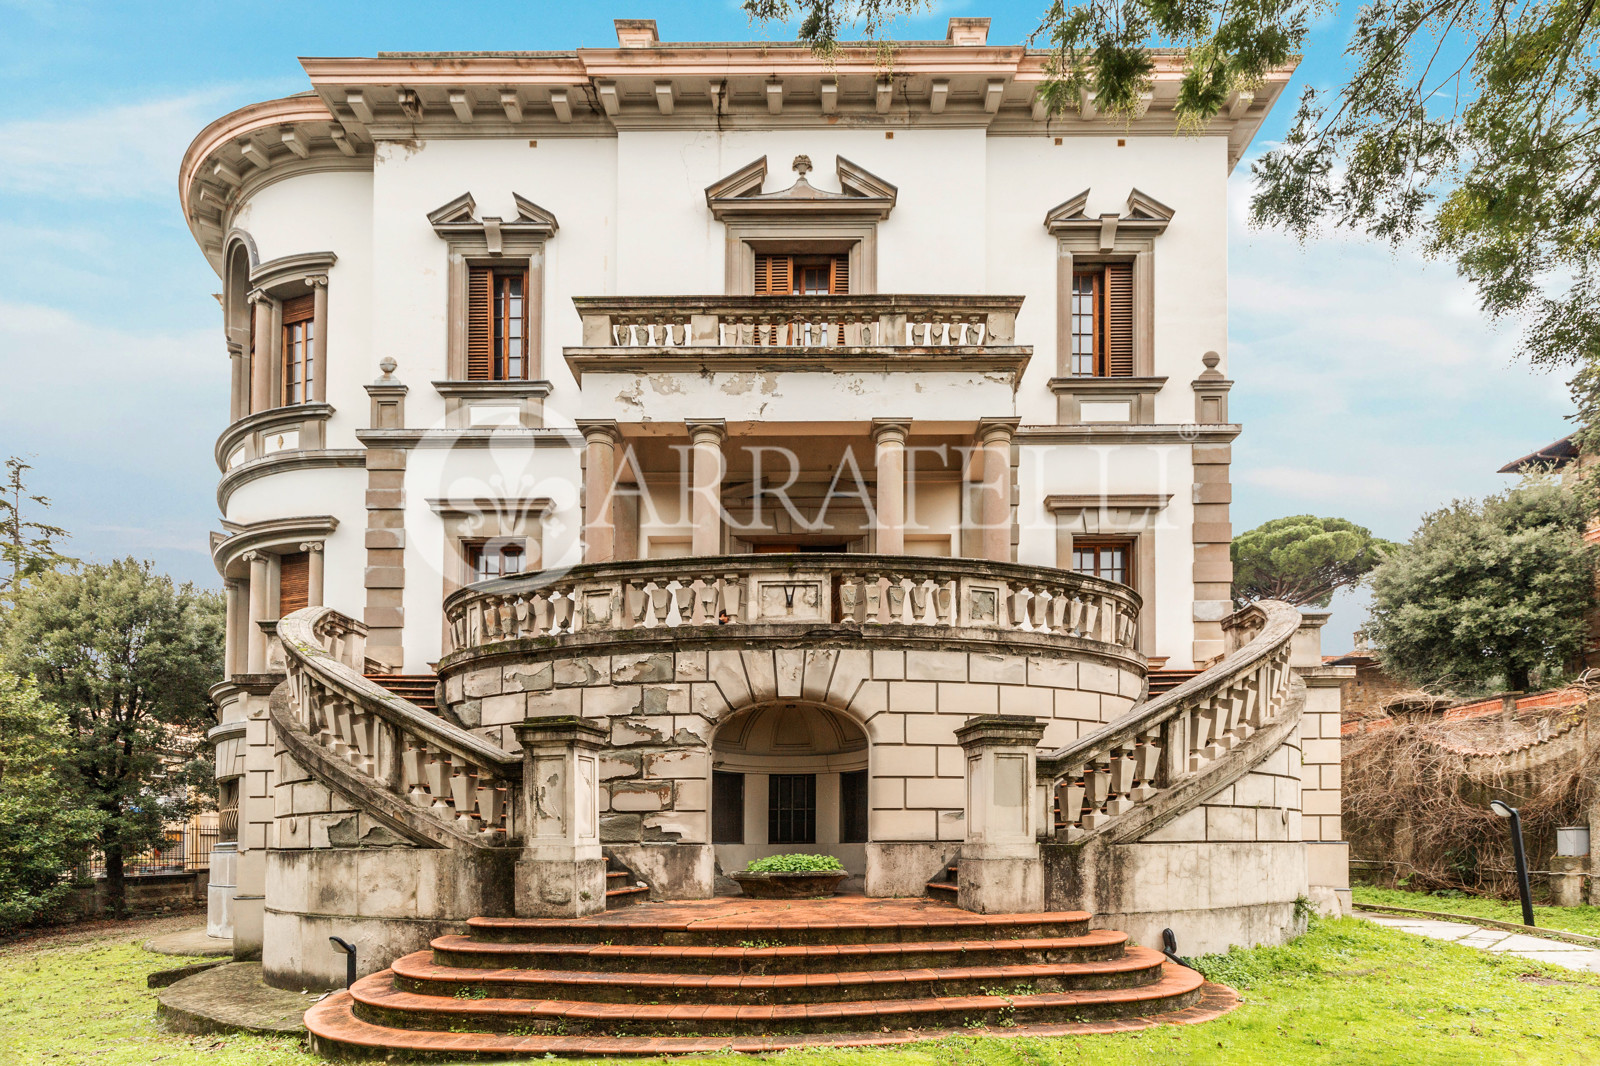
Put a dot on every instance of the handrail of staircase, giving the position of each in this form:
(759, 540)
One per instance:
(1132, 775)
(402, 758)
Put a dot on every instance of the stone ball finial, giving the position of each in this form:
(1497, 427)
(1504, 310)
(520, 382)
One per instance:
(802, 165)
(387, 365)
(1211, 359)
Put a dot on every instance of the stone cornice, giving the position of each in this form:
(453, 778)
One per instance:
(273, 532)
(1117, 385)
(492, 437)
(282, 462)
(1108, 502)
(1115, 433)
(291, 269)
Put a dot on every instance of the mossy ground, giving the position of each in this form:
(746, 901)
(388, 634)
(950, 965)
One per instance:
(1585, 920)
(1345, 993)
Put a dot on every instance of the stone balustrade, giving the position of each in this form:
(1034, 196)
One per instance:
(855, 591)
(1113, 781)
(864, 321)
(462, 782)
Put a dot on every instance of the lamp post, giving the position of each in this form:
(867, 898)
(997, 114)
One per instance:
(1505, 810)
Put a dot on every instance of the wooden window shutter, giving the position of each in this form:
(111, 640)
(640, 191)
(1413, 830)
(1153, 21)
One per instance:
(774, 274)
(841, 275)
(480, 335)
(294, 582)
(298, 309)
(1119, 320)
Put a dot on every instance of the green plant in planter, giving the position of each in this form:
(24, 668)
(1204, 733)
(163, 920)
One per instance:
(794, 864)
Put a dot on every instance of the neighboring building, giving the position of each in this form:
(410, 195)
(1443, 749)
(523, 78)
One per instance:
(1369, 690)
(737, 439)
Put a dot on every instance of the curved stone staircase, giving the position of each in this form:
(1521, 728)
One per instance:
(752, 976)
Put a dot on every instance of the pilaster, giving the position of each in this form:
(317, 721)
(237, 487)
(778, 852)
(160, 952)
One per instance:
(1001, 871)
(561, 873)
(385, 575)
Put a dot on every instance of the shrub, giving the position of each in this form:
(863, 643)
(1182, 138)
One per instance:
(794, 864)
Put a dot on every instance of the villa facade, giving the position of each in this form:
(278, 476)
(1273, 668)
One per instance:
(669, 455)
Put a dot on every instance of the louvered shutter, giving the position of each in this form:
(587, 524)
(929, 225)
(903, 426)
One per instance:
(298, 309)
(774, 274)
(480, 336)
(294, 582)
(841, 275)
(1119, 320)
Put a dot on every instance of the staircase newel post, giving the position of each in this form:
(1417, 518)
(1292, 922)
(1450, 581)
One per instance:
(561, 872)
(1001, 870)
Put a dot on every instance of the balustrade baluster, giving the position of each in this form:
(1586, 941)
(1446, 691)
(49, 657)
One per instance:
(732, 596)
(1071, 798)
(1147, 765)
(436, 772)
(463, 791)
(1097, 782)
(414, 768)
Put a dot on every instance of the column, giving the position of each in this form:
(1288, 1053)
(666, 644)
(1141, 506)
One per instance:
(1321, 777)
(317, 387)
(233, 632)
(600, 438)
(994, 513)
(260, 608)
(561, 872)
(1001, 871)
(238, 384)
(889, 437)
(261, 357)
(705, 446)
(313, 550)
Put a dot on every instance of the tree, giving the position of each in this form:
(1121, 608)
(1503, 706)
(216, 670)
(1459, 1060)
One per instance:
(1469, 127)
(1488, 591)
(128, 657)
(45, 832)
(26, 545)
(1302, 559)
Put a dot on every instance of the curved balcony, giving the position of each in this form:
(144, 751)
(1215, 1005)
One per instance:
(813, 595)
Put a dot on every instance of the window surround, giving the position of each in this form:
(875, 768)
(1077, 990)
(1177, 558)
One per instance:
(801, 219)
(1082, 240)
(1139, 394)
(492, 242)
(1129, 516)
(490, 404)
(271, 283)
(469, 521)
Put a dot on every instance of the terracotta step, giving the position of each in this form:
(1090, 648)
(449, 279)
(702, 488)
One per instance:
(419, 973)
(942, 889)
(418, 688)
(622, 897)
(1094, 946)
(336, 1032)
(824, 923)
(378, 1001)
(1161, 681)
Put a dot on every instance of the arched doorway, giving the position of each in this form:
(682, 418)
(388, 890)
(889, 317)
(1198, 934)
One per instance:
(789, 776)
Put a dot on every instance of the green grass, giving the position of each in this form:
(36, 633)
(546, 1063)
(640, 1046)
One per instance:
(1345, 993)
(1585, 920)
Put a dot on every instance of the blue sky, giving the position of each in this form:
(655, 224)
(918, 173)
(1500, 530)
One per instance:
(1369, 385)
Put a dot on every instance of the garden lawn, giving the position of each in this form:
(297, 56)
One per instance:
(1345, 993)
(1585, 920)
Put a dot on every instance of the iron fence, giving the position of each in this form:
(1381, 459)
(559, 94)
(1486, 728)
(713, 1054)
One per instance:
(182, 851)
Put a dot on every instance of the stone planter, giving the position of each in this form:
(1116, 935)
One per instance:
(790, 886)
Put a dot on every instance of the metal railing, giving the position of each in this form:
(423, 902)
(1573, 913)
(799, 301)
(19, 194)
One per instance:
(182, 851)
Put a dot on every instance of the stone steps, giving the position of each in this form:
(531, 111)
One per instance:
(666, 978)
(337, 1032)
(377, 1000)
(419, 973)
(945, 890)
(622, 888)
(418, 688)
(1094, 946)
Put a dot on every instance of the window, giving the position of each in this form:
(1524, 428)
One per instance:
(487, 560)
(792, 809)
(853, 807)
(802, 275)
(497, 325)
(294, 582)
(1102, 321)
(298, 327)
(727, 808)
(1108, 559)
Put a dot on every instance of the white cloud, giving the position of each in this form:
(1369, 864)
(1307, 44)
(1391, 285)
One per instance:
(131, 151)
(1317, 485)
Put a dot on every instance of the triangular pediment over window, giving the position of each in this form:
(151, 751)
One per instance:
(1143, 213)
(739, 196)
(457, 219)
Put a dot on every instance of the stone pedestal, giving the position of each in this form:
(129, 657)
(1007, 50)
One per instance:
(223, 881)
(1566, 879)
(1001, 871)
(561, 873)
